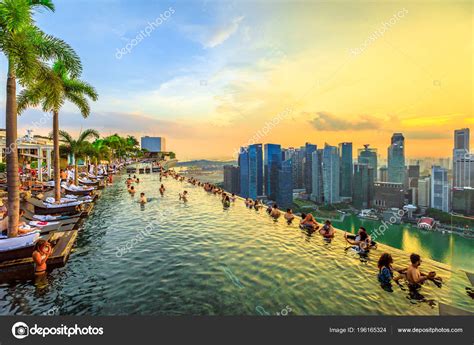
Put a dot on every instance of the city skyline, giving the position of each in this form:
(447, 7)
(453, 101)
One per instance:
(359, 78)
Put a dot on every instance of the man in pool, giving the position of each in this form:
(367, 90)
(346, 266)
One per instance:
(275, 212)
(143, 199)
(289, 216)
(183, 196)
(413, 275)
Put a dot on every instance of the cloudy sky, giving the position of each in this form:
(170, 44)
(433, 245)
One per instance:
(208, 75)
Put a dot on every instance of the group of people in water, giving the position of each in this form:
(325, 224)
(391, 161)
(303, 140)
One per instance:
(360, 243)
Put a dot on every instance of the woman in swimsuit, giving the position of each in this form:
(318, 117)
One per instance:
(309, 222)
(41, 254)
(327, 231)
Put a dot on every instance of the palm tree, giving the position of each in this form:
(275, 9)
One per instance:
(77, 148)
(52, 90)
(27, 49)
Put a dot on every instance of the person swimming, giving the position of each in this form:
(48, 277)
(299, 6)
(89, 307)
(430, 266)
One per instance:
(226, 202)
(143, 199)
(289, 216)
(42, 251)
(415, 277)
(308, 222)
(183, 196)
(327, 231)
(361, 246)
(275, 212)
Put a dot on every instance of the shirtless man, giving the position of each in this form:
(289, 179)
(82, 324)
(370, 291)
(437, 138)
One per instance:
(143, 199)
(183, 196)
(162, 190)
(413, 274)
(275, 212)
(289, 216)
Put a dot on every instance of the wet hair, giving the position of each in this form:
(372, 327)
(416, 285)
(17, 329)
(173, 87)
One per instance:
(132, 187)
(142, 194)
(327, 222)
(288, 209)
(414, 258)
(385, 260)
(41, 242)
(303, 215)
(363, 229)
(275, 206)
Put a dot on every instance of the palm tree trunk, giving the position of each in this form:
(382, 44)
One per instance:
(12, 154)
(57, 177)
(76, 173)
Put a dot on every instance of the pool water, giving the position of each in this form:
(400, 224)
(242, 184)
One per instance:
(196, 258)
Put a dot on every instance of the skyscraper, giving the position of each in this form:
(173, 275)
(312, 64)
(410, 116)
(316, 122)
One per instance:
(317, 176)
(368, 155)
(363, 191)
(309, 149)
(424, 192)
(251, 171)
(272, 163)
(383, 174)
(298, 168)
(463, 161)
(439, 188)
(284, 193)
(396, 159)
(331, 174)
(232, 179)
(346, 176)
(243, 161)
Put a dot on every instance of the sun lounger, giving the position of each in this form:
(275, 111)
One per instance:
(48, 218)
(18, 247)
(43, 208)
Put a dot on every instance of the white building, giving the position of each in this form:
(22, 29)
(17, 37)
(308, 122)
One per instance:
(424, 192)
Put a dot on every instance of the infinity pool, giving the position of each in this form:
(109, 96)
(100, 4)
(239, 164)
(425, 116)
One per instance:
(195, 258)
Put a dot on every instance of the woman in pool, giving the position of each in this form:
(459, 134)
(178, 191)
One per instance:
(308, 222)
(327, 231)
(40, 255)
(385, 274)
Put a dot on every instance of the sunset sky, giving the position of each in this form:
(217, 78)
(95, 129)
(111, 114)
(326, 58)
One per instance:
(213, 73)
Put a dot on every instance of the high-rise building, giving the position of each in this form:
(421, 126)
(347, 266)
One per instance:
(153, 144)
(388, 195)
(331, 174)
(317, 176)
(396, 159)
(463, 160)
(308, 184)
(298, 168)
(243, 161)
(272, 163)
(439, 188)
(346, 176)
(232, 179)
(251, 171)
(463, 201)
(284, 193)
(424, 192)
(363, 186)
(368, 155)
